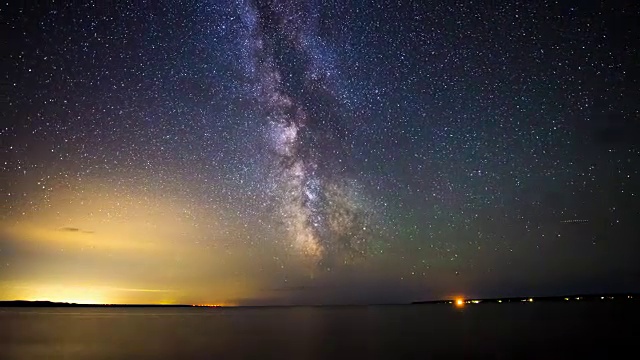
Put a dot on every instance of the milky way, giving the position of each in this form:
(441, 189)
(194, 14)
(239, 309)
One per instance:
(320, 211)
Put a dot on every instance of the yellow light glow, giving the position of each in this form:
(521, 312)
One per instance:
(530, 299)
(68, 294)
(149, 250)
(85, 293)
(459, 302)
(500, 301)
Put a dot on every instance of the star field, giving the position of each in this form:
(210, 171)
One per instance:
(255, 152)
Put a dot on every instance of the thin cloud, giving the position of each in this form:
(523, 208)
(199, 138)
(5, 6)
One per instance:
(75, 230)
(140, 290)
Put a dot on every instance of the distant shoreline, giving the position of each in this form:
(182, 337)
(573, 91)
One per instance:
(27, 303)
(565, 298)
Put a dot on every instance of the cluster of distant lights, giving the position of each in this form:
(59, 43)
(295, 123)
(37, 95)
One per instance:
(459, 302)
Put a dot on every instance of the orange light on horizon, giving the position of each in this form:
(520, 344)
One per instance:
(459, 302)
(89, 294)
(85, 295)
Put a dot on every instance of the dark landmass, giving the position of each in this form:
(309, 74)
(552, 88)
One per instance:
(635, 297)
(24, 303)
(564, 298)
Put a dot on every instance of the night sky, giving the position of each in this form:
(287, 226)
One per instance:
(318, 152)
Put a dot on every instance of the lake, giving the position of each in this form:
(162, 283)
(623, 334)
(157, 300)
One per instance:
(489, 331)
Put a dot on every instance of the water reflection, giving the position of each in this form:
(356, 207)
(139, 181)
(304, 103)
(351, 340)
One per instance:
(506, 330)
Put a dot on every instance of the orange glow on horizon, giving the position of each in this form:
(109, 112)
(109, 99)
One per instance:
(88, 294)
(459, 302)
(69, 300)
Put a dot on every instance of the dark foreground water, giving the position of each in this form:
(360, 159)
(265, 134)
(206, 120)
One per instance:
(492, 331)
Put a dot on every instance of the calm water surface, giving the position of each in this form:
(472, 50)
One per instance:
(537, 331)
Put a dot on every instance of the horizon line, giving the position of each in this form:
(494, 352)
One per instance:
(566, 297)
